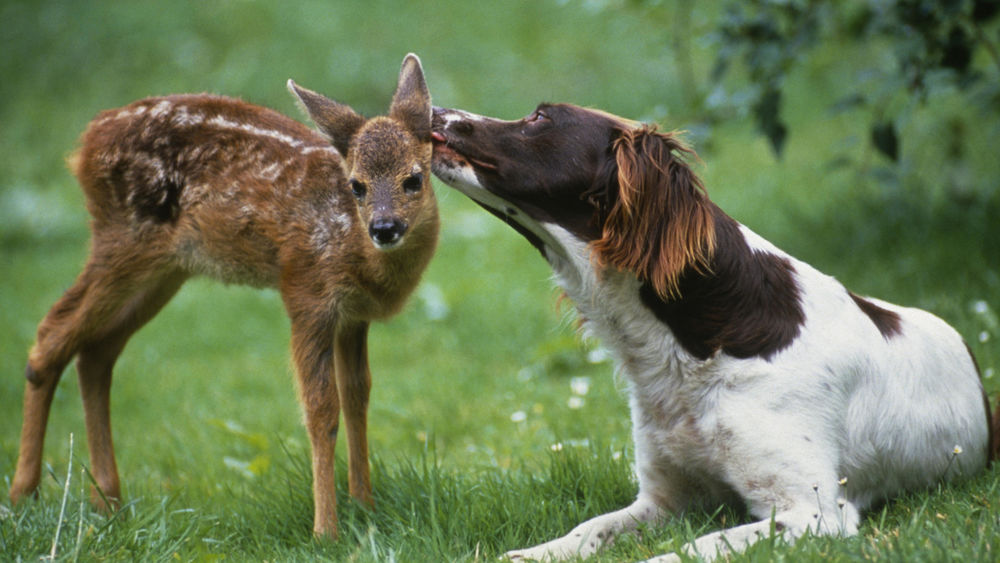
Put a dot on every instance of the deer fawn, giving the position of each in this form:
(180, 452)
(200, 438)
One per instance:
(204, 185)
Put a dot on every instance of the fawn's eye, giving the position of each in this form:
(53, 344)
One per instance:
(358, 188)
(413, 183)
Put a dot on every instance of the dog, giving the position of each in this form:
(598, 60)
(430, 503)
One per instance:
(753, 379)
(342, 222)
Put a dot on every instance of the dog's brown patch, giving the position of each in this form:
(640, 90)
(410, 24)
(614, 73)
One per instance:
(887, 322)
(747, 305)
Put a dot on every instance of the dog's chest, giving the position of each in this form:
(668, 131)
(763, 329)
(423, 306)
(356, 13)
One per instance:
(612, 311)
(669, 390)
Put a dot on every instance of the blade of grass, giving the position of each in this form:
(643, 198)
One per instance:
(62, 508)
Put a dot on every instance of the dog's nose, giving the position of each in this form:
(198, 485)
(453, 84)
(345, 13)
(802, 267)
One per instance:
(386, 231)
(437, 117)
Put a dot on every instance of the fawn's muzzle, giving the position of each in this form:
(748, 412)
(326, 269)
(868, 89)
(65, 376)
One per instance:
(386, 231)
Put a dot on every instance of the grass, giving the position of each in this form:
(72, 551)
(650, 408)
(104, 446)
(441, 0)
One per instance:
(473, 381)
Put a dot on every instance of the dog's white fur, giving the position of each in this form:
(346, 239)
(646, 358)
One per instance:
(781, 434)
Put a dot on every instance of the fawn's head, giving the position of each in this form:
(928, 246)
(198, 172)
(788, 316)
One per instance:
(388, 157)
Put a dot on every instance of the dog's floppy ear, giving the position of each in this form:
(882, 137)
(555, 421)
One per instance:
(659, 223)
(337, 121)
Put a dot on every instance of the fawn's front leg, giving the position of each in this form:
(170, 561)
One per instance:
(312, 352)
(354, 385)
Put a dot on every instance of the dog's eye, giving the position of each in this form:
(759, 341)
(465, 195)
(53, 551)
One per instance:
(413, 183)
(358, 188)
(536, 116)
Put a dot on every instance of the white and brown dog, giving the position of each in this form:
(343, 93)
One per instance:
(752, 378)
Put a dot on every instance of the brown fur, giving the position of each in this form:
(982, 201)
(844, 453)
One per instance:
(661, 222)
(205, 185)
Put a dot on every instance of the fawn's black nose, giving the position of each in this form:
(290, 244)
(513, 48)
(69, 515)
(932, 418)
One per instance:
(386, 231)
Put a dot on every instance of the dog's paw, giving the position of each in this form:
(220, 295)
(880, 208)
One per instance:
(536, 553)
(515, 555)
(668, 558)
(530, 554)
(556, 550)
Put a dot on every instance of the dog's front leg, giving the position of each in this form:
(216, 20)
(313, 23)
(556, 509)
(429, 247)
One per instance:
(789, 525)
(591, 535)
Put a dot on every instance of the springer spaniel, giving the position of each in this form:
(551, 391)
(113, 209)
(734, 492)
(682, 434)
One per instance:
(752, 377)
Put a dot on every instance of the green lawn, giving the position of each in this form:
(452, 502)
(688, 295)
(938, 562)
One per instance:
(477, 446)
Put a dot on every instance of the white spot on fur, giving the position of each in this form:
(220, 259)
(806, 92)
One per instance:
(330, 227)
(183, 118)
(160, 109)
(271, 171)
(130, 113)
(343, 220)
(325, 148)
(223, 123)
(460, 115)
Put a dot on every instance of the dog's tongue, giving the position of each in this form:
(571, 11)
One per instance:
(437, 136)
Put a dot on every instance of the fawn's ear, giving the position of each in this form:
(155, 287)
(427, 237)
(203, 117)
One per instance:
(411, 104)
(337, 121)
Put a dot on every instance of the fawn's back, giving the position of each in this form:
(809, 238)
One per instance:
(212, 185)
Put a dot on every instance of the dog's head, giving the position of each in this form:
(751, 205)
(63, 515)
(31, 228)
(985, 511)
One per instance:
(623, 188)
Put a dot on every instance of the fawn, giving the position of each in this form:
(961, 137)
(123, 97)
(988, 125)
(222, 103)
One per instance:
(191, 185)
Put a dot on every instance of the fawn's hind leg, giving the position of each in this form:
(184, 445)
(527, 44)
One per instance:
(354, 386)
(97, 296)
(94, 365)
(55, 345)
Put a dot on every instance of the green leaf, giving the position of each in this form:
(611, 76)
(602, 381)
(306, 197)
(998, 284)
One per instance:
(885, 139)
(766, 111)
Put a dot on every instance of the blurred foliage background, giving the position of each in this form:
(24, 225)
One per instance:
(860, 136)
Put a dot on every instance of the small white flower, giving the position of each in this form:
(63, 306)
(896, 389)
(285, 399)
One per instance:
(980, 307)
(575, 402)
(518, 416)
(557, 447)
(843, 481)
(841, 502)
(988, 373)
(984, 336)
(957, 450)
(597, 356)
(579, 385)
(434, 302)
